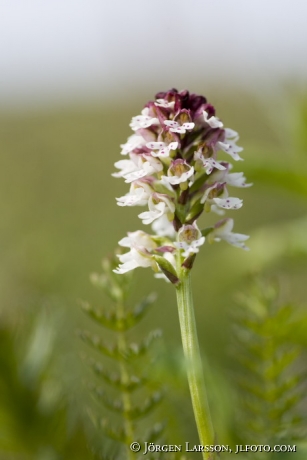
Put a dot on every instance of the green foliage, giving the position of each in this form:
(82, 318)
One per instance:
(270, 379)
(36, 420)
(123, 382)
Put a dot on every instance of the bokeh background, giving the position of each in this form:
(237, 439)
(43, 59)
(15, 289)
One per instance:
(72, 74)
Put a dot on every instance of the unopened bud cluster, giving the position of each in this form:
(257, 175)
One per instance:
(173, 169)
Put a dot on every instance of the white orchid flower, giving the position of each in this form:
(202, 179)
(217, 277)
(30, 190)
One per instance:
(140, 244)
(158, 205)
(143, 121)
(176, 127)
(189, 239)
(223, 231)
(213, 122)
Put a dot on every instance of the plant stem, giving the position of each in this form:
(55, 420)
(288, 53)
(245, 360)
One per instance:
(129, 428)
(194, 364)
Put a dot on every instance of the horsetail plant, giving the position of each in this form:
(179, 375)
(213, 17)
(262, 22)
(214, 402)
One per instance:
(124, 380)
(173, 168)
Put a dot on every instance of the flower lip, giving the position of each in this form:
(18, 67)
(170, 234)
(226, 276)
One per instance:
(164, 103)
(237, 180)
(208, 163)
(159, 204)
(190, 239)
(175, 127)
(228, 203)
(133, 142)
(163, 227)
(218, 189)
(223, 231)
(213, 122)
(143, 121)
(164, 149)
(228, 145)
(139, 239)
(144, 165)
(140, 191)
(141, 245)
(178, 172)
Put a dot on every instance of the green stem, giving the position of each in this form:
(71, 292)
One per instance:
(194, 364)
(129, 428)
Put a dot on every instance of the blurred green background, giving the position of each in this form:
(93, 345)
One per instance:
(59, 218)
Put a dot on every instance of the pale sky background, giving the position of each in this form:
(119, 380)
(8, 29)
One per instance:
(71, 49)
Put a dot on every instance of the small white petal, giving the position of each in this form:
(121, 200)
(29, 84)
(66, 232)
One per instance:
(135, 175)
(143, 121)
(213, 122)
(155, 145)
(137, 238)
(237, 180)
(175, 127)
(137, 196)
(228, 203)
(217, 210)
(172, 124)
(179, 130)
(126, 267)
(126, 166)
(190, 239)
(174, 180)
(188, 126)
(210, 164)
(223, 231)
(153, 214)
(181, 244)
(230, 133)
(231, 148)
(152, 164)
(163, 227)
(133, 142)
(158, 205)
(164, 149)
(192, 248)
(207, 192)
(164, 103)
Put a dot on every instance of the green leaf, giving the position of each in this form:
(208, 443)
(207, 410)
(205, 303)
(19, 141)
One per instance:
(167, 268)
(206, 231)
(134, 412)
(199, 183)
(269, 378)
(110, 318)
(195, 211)
(130, 384)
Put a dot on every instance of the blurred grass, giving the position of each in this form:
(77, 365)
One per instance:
(59, 216)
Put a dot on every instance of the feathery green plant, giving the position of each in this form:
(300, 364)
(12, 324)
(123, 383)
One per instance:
(125, 379)
(269, 379)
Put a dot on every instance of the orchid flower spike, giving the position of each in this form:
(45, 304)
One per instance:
(176, 164)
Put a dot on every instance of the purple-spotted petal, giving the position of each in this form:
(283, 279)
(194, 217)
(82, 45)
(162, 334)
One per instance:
(228, 203)
(210, 164)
